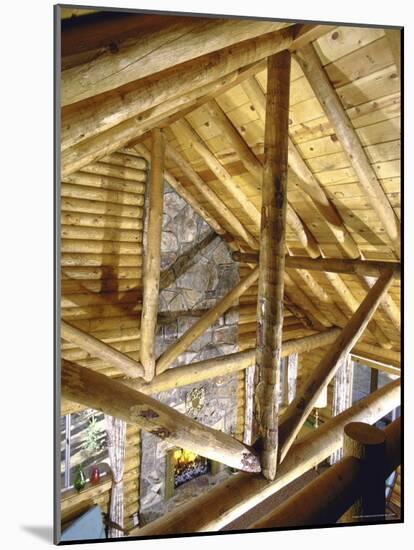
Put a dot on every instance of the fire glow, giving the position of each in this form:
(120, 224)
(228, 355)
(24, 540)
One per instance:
(187, 466)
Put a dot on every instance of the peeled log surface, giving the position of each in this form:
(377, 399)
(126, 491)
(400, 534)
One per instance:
(210, 196)
(299, 409)
(194, 332)
(183, 192)
(272, 261)
(90, 118)
(111, 397)
(152, 255)
(219, 366)
(232, 498)
(361, 267)
(98, 349)
(173, 45)
(325, 499)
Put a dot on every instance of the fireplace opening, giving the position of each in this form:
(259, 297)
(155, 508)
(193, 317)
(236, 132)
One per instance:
(183, 466)
(188, 465)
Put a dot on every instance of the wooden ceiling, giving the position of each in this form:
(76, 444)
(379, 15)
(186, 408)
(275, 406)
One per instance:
(124, 74)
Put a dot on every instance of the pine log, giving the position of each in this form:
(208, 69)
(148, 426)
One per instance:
(351, 144)
(211, 368)
(254, 166)
(75, 157)
(90, 118)
(368, 445)
(171, 46)
(324, 500)
(229, 183)
(169, 356)
(272, 261)
(232, 498)
(211, 197)
(371, 268)
(299, 409)
(98, 349)
(182, 191)
(305, 178)
(152, 256)
(101, 393)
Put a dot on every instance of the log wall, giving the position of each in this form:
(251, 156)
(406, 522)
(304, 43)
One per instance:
(102, 218)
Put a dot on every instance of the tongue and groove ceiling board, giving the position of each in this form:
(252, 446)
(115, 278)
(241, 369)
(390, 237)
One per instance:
(361, 67)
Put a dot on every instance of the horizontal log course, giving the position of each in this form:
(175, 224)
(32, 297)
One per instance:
(124, 159)
(232, 498)
(101, 221)
(324, 500)
(92, 206)
(104, 182)
(75, 191)
(101, 393)
(372, 268)
(99, 260)
(84, 246)
(120, 172)
(100, 233)
(98, 349)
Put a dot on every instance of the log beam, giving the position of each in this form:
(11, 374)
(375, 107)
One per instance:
(98, 349)
(99, 392)
(89, 118)
(220, 366)
(300, 408)
(272, 260)
(230, 184)
(210, 196)
(172, 45)
(169, 356)
(372, 268)
(231, 499)
(152, 256)
(325, 499)
(347, 136)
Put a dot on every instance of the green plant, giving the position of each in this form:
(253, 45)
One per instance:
(94, 439)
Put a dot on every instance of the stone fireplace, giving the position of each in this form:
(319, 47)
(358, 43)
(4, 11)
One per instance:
(197, 270)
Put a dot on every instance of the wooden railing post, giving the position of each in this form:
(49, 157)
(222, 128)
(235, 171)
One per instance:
(368, 444)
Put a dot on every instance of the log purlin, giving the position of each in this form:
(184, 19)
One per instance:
(231, 499)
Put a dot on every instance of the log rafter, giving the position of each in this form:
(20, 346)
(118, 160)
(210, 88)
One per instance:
(351, 144)
(300, 408)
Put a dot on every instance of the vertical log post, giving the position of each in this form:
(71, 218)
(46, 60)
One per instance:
(291, 377)
(272, 260)
(342, 395)
(152, 257)
(367, 443)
